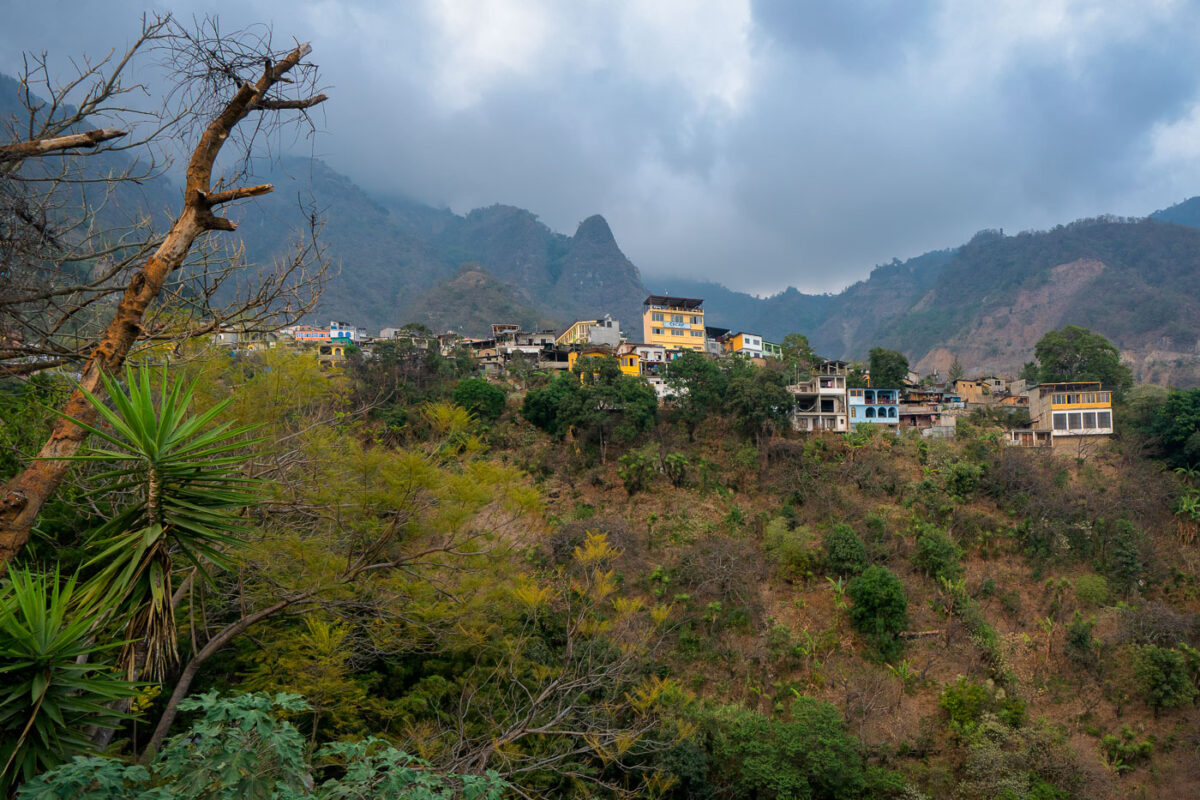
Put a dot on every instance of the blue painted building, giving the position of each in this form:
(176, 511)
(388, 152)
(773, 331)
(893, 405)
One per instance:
(874, 407)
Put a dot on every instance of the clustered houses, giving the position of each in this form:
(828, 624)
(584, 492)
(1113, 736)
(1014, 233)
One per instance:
(1060, 414)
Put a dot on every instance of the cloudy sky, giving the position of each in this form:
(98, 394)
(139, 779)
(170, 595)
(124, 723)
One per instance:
(762, 144)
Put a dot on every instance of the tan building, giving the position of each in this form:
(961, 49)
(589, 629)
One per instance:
(676, 323)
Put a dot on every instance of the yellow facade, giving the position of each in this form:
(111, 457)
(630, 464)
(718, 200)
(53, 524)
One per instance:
(676, 323)
(631, 364)
(576, 333)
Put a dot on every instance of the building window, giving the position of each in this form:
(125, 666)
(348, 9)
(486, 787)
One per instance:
(697, 333)
(1060, 422)
(1074, 421)
(677, 318)
(1104, 419)
(676, 332)
(853, 413)
(657, 316)
(1089, 420)
(695, 320)
(658, 331)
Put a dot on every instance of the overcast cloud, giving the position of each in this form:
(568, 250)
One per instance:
(760, 144)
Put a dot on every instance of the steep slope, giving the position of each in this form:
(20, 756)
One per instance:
(473, 299)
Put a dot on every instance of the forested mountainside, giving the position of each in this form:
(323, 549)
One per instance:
(391, 252)
(987, 301)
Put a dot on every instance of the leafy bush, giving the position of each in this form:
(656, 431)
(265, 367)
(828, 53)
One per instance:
(1081, 646)
(961, 479)
(636, 469)
(1091, 590)
(483, 399)
(58, 683)
(844, 551)
(811, 755)
(675, 466)
(1164, 676)
(966, 701)
(792, 549)
(1124, 752)
(240, 748)
(937, 555)
(880, 610)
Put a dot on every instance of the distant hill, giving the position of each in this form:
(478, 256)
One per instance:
(986, 302)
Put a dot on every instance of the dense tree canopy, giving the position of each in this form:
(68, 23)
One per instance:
(1076, 354)
(889, 368)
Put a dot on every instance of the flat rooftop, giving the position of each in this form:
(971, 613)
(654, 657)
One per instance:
(672, 302)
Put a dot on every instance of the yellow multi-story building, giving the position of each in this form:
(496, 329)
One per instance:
(676, 323)
(1081, 408)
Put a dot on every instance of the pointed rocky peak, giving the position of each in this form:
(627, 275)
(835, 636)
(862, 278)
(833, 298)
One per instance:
(595, 231)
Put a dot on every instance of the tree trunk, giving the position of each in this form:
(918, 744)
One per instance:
(214, 645)
(22, 498)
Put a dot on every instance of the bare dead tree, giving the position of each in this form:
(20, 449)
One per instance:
(90, 282)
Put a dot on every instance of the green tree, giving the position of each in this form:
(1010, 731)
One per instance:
(596, 402)
(699, 385)
(810, 755)
(1076, 354)
(481, 398)
(880, 610)
(844, 551)
(937, 555)
(1164, 676)
(956, 370)
(889, 368)
(798, 354)
(756, 398)
(178, 475)
(1176, 423)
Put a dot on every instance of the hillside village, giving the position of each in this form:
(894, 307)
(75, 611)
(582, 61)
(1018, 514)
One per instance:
(1065, 416)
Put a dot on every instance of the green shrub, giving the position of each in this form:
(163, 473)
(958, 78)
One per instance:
(481, 398)
(966, 701)
(1124, 752)
(880, 610)
(675, 466)
(1123, 560)
(844, 551)
(1091, 590)
(636, 469)
(1164, 676)
(792, 549)
(810, 755)
(961, 479)
(937, 555)
(1081, 646)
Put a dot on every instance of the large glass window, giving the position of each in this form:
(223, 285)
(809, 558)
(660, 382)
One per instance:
(657, 316)
(677, 318)
(697, 333)
(1060, 422)
(1089, 420)
(1104, 419)
(676, 332)
(1074, 421)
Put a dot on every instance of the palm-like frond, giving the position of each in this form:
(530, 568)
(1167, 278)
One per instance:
(180, 472)
(54, 688)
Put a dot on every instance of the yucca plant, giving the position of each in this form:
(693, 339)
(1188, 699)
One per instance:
(56, 683)
(184, 494)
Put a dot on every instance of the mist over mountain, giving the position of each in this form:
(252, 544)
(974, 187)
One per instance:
(986, 302)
